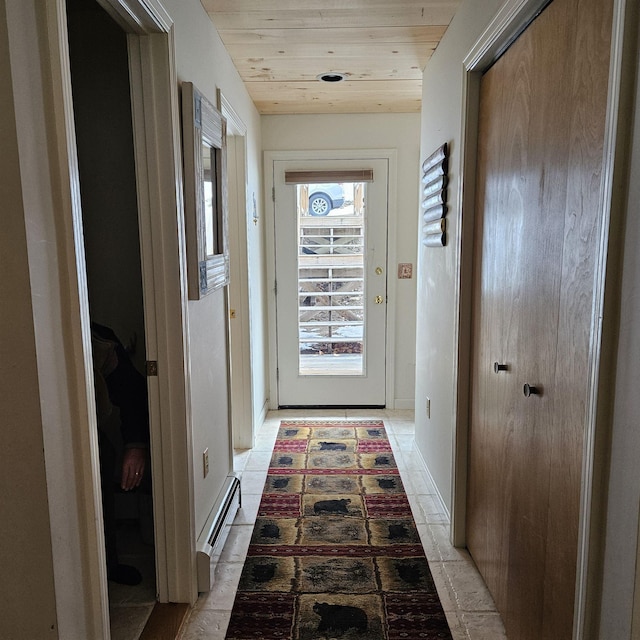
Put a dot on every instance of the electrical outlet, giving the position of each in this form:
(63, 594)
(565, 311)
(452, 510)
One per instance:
(205, 462)
(429, 408)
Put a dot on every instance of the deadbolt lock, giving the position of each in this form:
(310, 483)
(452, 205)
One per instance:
(379, 271)
(378, 299)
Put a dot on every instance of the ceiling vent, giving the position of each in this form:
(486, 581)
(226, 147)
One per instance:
(331, 76)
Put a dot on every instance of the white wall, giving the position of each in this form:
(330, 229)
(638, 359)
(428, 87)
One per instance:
(371, 131)
(25, 545)
(437, 267)
(48, 530)
(202, 59)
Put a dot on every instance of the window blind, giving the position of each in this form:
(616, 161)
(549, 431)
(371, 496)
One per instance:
(320, 177)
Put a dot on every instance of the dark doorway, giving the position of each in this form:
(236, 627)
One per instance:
(102, 112)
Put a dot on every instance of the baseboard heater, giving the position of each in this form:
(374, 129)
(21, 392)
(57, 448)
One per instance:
(215, 532)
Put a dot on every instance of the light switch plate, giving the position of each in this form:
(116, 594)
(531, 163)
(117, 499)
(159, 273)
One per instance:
(405, 271)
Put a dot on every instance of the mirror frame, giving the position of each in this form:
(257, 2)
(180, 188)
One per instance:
(204, 125)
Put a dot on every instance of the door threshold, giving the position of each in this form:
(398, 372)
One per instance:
(165, 621)
(331, 406)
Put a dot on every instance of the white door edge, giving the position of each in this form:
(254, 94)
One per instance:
(156, 139)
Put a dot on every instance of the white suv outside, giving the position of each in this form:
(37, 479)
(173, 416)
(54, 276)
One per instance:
(325, 197)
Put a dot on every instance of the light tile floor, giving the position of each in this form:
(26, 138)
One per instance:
(466, 601)
(130, 607)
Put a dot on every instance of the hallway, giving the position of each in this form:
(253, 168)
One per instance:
(468, 605)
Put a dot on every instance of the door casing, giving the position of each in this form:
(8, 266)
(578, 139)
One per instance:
(238, 292)
(154, 96)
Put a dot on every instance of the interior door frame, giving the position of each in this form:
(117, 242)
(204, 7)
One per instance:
(237, 294)
(154, 98)
(360, 154)
(158, 154)
(512, 18)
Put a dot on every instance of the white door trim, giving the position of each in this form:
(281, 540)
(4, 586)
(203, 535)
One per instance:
(158, 165)
(142, 17)
(156, 118)
(512, 18)
(238, 298)
(269, 158)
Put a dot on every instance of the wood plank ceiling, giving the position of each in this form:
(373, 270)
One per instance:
(381, 46)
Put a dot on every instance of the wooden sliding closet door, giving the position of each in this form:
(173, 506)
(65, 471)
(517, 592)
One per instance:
(542, 117)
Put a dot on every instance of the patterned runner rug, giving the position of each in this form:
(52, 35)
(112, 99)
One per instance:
(335, 552)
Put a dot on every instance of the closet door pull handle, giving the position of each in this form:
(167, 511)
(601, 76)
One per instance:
(497, 367)
(531, 391)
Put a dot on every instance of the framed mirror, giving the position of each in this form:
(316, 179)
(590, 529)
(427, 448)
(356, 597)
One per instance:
(205, 198)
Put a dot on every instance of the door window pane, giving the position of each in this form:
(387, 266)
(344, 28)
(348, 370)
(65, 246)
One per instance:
(331, 278)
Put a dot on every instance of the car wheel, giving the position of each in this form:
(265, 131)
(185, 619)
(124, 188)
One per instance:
(319, 205)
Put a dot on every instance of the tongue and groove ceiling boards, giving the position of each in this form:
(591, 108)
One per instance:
(280, 47)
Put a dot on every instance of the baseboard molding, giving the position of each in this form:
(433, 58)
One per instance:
(166, 621)
(262, 416)
(438, 496)
(404, 403)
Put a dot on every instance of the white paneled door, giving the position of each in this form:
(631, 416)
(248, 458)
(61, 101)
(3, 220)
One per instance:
(331, 281)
